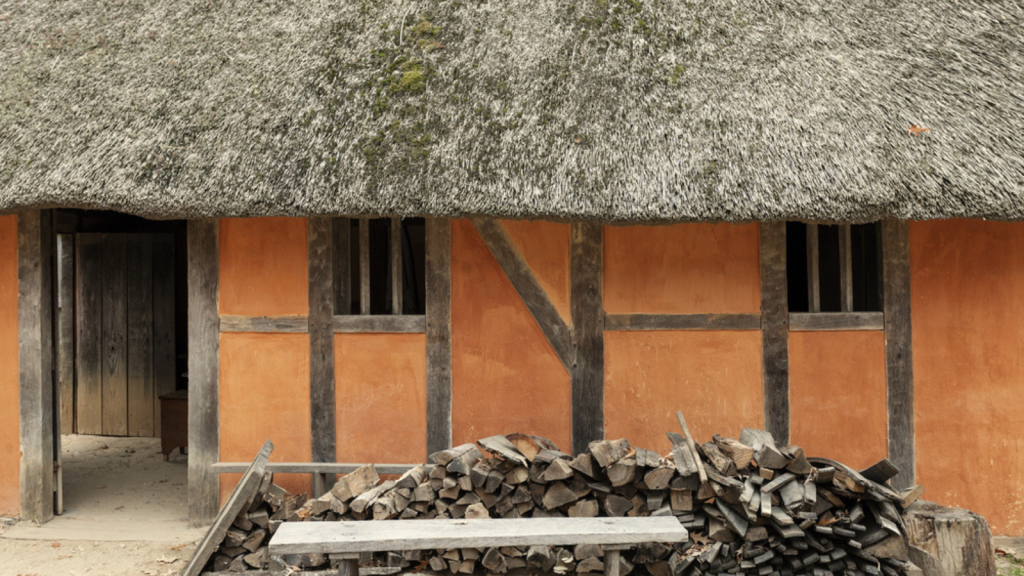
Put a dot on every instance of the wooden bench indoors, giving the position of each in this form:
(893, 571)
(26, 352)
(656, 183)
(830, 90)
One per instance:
(346, 540)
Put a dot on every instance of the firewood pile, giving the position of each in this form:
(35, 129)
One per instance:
(750, 506)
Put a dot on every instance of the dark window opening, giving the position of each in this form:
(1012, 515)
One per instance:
(816, 255)
(379, 266)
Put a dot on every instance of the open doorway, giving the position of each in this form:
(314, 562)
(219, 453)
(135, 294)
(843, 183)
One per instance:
(122, 357)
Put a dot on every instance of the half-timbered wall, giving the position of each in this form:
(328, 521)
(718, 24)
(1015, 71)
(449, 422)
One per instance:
(10, 452)
(968, 304)
(701, 271)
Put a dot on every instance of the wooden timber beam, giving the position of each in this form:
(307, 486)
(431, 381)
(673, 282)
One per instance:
(321, 341)
(586, 272)
(203, 361)
(624, 322)
(35, 364)
(775, 329)
(265, 324)
(380, 324)
(529, 289)
(439, 333)
(825, 321)
(899, 359)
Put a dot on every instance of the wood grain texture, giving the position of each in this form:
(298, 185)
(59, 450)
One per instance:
(899, 360)
(399, 535)
(810, 321)
(380, 324)
(627, 322)
(813, 270)
(528, 288)
(342, 275)
(321, 340)
(88, 341)
(586, 275)
(35, 364)
(164, 354)
(364, 266)
(204, 342)
(140, 387)
(316, 467)
(265, 324)
(439, 333)
(775, 330)
(396, 266)
(845, 268)
(114, 328)
(241, 495)
(66, 333)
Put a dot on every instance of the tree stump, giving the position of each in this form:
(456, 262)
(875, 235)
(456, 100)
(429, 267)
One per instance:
(949, 541)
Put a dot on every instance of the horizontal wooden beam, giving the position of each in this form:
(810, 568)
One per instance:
(270, 324)
(313, 467)
(835, 321)
(382, 323)
(622, 322)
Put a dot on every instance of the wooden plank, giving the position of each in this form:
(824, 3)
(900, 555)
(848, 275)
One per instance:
(810, 321)
(438, 277)
(114, 328)
(36, 379)
(141, 391)
(164, 344)
(528, 288)
(364, 265)
(845, 268)
(203, 338)
(621, 322)
(66, 333)
(89, 341)
(240, 496)
(316, 467)
(586, 270)
(775, 330)
(399, 535)
(813, 272)
(899, 360)
(342, 252)
(380, 324)
(321, 341)
(396, 266)
(265, 324)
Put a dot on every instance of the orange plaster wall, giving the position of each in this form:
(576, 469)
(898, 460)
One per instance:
(10, 442)
(264, 395)
(505, 376)
(545, 247)
(713, 377)
(682, 269)
(381, 397)
(264, 267)
(837, 395)
(967, 302)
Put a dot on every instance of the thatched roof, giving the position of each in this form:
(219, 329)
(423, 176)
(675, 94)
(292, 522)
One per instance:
(618, 110)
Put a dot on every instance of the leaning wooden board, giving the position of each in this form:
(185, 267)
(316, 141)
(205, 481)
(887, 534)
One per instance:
(399, 535)
(242, 493)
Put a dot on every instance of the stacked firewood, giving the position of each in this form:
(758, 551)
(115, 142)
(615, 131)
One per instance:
(750, 506)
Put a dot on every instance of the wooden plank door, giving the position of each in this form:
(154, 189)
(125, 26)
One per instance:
(125, 331)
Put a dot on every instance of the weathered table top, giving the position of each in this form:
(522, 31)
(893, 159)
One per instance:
(398, 535)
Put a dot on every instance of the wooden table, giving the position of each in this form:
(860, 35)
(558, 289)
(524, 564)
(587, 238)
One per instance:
(174, 422)
(345, 540)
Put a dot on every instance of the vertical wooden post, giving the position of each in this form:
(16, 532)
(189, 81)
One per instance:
(364, 266)
(66, 333)
(342, 265)
(203, 361)
(899, 360)
(35, 364)
(439, 333)
(321, 343)
(845, 268)
(775, 329)
(586, 270)
(396, 266)
(813, 269)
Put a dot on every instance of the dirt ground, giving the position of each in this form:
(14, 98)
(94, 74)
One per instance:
(125, 513)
